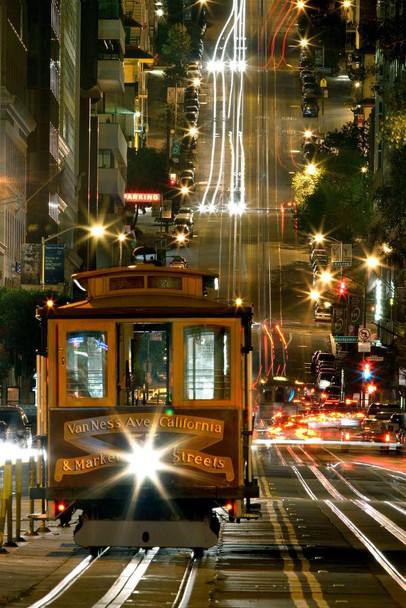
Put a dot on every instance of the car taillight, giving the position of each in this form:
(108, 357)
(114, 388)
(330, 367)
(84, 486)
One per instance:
(387, 438)
(347, 436)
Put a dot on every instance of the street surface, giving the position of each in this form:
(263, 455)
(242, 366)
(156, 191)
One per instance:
(331, 524)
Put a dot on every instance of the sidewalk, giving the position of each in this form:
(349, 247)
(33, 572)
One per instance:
(29, 562)
(337, 106)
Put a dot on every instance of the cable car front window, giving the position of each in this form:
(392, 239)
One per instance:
(207, 365)
(86, 354)
(144, 377)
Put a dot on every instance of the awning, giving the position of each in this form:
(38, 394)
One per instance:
(133, 51)
(129, 21)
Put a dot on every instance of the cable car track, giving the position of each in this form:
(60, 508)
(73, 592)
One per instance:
(75, 583)
(342, 506)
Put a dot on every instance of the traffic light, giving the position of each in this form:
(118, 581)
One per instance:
(366, 371)
(342, 288)
(172, 179)
(370, 389)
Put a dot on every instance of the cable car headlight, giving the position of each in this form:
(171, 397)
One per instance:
(144, 461)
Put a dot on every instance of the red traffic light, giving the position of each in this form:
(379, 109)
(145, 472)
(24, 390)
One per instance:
(342, 289)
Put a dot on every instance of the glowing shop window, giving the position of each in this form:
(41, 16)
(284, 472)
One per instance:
(207, 365)
(86, 359)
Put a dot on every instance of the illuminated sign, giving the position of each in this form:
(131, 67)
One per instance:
(142, 197)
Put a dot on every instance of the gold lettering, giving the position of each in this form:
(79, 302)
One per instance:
(175, 457)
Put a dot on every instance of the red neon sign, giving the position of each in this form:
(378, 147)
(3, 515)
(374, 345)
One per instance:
(143, 197)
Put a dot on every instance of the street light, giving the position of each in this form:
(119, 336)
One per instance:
(311, 169)
(96, 231)
(121, 239)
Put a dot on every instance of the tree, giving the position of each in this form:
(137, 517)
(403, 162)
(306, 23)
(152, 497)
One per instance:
(388, 34)
(20, 335)
(337, 199)
(390, 200)
(177, 48)
(147, 170)
(393, 127)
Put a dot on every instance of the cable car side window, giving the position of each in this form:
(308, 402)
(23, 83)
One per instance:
(86, 364)
(207, 362)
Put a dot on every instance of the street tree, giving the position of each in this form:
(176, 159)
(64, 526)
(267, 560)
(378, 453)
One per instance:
(147, 170)
(176, 49)
(390, 202)
(20, 335)
(337, 199)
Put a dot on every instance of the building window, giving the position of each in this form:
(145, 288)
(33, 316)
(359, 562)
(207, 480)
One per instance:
(54, 78)
(55, 17)
(53, 141)
(106, 159)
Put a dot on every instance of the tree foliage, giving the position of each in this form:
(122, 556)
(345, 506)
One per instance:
(393, 128)
(338, 201)
(20, 335)
(147, 170)
(388, 34)
(178, 46)
(390, 200)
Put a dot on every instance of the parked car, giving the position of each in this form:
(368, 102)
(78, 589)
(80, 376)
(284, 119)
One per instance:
(187, 182)
(305, 62)
(315, 254)
(192, 116)
(182, 233)
(309, 89)
(191, 92)
(186, 210)
(306, 99)
(192, 103)
(15, 428)
(310, 110)
(189, 172)
(307, 72)
(322, 314)
(308, 80)
(324, 379)
(320, 356)
(178, 262)
(184, 218)
(189, 142)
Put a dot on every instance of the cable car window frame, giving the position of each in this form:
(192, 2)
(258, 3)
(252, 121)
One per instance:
(234, 363)
(66, 327)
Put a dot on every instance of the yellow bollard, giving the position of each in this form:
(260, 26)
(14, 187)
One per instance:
(31, 484)
(19, 490)
(3, 509)
(43, 529)
(8, 484)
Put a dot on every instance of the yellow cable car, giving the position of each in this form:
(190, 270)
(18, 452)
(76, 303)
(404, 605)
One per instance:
(145, 403)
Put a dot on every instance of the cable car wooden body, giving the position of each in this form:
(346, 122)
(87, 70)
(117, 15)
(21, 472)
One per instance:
(145, 403)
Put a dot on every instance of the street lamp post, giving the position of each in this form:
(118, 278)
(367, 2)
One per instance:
(121, 239)
(94, 231)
